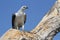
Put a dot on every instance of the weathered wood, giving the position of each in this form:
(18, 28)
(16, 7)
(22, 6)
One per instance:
(14, 34)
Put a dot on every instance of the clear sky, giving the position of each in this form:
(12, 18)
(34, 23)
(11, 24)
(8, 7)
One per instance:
(37, 9)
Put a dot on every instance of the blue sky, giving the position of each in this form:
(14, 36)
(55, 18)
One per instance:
(37, 9)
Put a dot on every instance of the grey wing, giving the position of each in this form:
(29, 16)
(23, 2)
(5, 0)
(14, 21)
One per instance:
(13, 20)
(24, 18)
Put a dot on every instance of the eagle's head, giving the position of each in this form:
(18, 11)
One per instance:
(24, 7)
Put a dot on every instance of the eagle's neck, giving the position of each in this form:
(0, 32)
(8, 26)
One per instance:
(21, 12)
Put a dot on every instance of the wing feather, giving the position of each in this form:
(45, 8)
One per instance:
(13, 20)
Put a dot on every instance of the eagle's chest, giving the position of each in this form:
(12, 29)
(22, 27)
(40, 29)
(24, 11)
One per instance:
(20, 19)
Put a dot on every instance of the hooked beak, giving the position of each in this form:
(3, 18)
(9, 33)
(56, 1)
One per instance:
(26, 7)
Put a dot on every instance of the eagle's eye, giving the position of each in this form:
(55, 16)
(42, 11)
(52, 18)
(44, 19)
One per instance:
(24, 7)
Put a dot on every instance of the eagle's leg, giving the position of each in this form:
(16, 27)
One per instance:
(23, 28)
(17, 28)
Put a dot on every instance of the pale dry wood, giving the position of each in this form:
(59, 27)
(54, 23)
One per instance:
(58, 0)
(14, 34)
